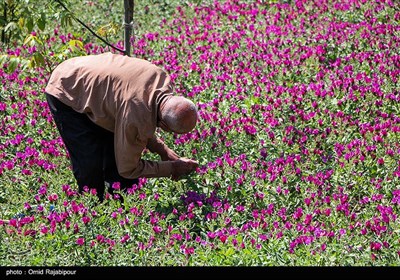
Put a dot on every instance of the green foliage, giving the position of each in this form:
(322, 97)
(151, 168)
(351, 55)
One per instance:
(31, 22)
(21, 17)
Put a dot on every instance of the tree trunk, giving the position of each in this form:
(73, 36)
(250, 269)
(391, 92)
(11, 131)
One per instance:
(129, 5)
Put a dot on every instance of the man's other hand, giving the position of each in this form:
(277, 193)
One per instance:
(183, 166)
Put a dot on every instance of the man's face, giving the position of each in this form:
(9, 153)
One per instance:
(163, 126)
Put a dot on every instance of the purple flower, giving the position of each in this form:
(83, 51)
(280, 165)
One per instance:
(85, 219)
(157, 229)
(125, 238)
(80, 241)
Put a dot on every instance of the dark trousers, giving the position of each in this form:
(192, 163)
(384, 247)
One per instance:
(90, 147)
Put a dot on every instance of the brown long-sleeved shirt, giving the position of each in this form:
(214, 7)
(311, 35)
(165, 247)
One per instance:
(120, 94)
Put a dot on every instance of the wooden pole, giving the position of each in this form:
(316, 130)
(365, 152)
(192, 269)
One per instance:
(3, 33)
(128, 5)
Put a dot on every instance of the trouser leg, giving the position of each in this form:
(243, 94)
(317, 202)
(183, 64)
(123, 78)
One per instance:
(84, 142)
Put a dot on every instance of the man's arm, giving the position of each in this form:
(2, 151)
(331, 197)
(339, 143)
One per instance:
(128, 153)
(156, 145)
(180, 166)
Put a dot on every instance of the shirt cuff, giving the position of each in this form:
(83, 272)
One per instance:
(164, 168)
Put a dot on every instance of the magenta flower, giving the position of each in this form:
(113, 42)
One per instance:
(44, 230)
(157, 229)
(100, 238)
(189, 251)
(30, 232)
(240, 208)
(27, 206)
(125, 238)
(52, 197)
(85, 219)
(13, 222)
(223, 238)
(116, 185)
(80, 241)
(298, 213)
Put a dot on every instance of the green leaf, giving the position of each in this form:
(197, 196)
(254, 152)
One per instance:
(64, 237)
(229, 252)
(13, 64)
(50, 237)
(39, 59)
(10, 26)
(28, 39)
(76, 44)
(41, 23)
(3, 59)
(29, 24)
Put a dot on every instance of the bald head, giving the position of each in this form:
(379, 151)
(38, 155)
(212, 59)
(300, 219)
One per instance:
(177, 114)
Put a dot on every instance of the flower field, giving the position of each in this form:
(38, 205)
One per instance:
(298, 144)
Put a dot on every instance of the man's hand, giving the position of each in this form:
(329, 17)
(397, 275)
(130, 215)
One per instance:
(183, 166)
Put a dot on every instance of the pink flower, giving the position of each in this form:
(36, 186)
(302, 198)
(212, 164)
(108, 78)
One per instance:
(100, 238)
(240, 208)
(30, 232)
(80, 241)
(116, 185)
(44, 230)
(223, 238)
(13, 223)
(376, 246)
(157, 229)
(85, 219)
(125, 238)
(52, 197)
